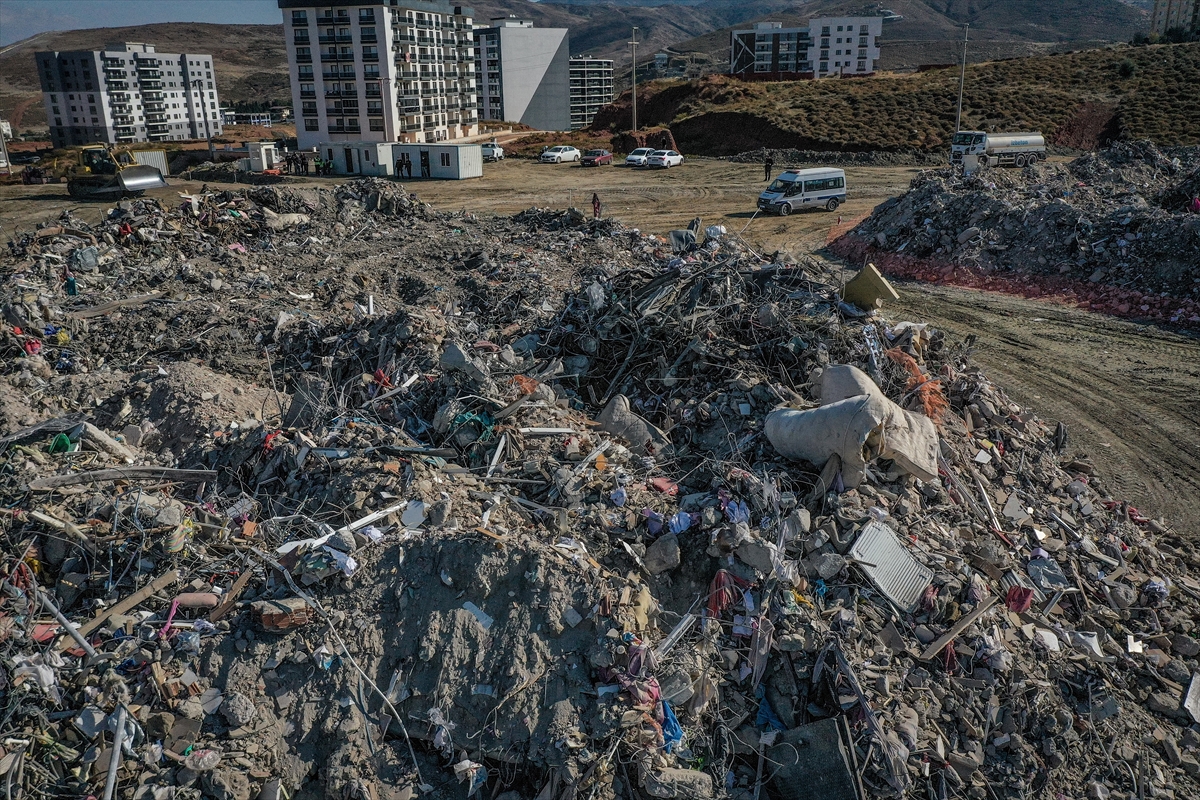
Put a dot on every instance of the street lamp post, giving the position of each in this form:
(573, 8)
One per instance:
(633, 44)
(962, 78)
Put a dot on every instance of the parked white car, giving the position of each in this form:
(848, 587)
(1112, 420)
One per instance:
(557, 155)
(638, 157)
(664, 159)
(492, 152)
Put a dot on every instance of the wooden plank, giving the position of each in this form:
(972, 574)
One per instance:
(158, 584)
(113, 305)
(231, 598)
(121, 473)
(959, 627)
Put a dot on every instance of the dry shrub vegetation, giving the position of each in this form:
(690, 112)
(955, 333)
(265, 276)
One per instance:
(1153, 93)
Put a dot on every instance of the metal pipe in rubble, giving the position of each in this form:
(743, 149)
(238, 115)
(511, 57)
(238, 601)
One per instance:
(110, 780)
(48, 604)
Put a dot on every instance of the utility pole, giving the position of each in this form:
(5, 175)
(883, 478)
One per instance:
(633, 44)
(962, 78)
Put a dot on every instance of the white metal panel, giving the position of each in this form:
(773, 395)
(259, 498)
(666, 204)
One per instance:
(890, 566)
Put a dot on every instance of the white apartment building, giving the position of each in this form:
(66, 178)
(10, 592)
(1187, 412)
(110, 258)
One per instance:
(827, 46)
(591, 88)
(1172, 14)
(128, 92)
(523, 74)
(388, 71)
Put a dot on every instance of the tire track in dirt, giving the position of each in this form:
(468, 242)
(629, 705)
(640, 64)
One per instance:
(1129, 394)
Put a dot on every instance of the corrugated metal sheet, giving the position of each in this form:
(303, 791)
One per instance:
(153, 158)
(896, 572)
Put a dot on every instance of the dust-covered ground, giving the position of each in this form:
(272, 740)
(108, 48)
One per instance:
(1127, 393)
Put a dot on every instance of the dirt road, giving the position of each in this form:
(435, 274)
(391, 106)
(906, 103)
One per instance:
(1127, 393)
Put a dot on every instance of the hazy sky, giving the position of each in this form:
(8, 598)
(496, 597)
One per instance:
(20, 19)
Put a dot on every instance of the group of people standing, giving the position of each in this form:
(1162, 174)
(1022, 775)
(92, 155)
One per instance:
(297, 164)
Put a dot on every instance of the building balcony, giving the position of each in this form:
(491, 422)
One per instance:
(300, 22)
(374, 92)
(160, 119)
(124, 130)
(304, 59)
(153, 96)
(329, 58)
(157, 127)
(332, 76)
(308, 112)
(374, 112)
(308, 93)
(368, 38)
(323, 39)
(370, 57)
(301, 37)
(151, 84)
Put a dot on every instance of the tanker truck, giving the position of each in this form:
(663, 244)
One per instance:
(998, 149)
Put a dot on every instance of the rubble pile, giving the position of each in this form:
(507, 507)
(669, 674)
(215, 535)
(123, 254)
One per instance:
(326, 495)
(1116, 217)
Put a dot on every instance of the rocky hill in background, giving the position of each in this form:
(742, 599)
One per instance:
(1079, 100)
(252, 62)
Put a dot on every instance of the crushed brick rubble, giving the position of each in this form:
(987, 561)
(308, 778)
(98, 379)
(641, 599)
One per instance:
(1117, 220)
(324, 494)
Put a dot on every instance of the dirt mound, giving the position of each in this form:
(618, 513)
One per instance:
(793, 157)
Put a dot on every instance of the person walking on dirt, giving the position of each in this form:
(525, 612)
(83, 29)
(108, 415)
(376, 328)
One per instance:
(768, 166)
(595, 205)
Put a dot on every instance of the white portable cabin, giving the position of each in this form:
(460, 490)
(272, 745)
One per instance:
(357, 158)
(263, 155)
(445, 160)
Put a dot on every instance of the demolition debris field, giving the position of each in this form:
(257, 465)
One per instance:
(1131, 416)
(326, 494)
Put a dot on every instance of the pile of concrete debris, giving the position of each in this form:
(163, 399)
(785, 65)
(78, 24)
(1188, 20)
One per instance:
(1117, 217)
(328, 495)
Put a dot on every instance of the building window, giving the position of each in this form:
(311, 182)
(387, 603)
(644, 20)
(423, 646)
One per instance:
(445, 159)
(376, 124)
(298, 18)
(312, 124)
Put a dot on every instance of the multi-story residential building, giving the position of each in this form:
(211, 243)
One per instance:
(1175, 14)
(591, 88)
(828, 46)
(128, 92)
(524, 74)
(394, 71)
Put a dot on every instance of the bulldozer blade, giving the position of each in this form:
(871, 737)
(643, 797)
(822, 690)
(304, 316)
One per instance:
(139, 178)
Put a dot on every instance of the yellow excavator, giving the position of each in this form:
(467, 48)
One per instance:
(103, 172)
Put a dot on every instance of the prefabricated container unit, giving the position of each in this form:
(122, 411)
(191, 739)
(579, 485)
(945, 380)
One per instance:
(446, 160)
(357, 158)
(263, 155)
(153, 158)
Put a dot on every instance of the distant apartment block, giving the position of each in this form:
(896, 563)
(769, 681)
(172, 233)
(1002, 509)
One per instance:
(128, 92)
(396, 71)
(524, 74)
(591, 88)
(826, 47)
(1172, 14)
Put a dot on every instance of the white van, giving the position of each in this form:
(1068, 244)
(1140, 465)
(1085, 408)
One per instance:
(796, 189)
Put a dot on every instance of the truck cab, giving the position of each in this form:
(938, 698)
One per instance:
(965, 143)
(797, 189)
